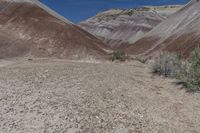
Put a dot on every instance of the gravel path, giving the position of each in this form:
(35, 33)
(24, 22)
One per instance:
(56, 96)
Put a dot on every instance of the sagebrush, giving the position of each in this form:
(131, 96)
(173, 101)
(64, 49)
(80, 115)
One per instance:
(166, 64)
(187, 71)
(192, 77)
(119, 55)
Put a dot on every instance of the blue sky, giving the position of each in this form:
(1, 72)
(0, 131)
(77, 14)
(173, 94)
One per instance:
(78, 10)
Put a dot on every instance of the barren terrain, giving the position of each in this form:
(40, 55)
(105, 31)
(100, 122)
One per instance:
(29, 28)
(121, 27)
(48, 95)
(179, 33)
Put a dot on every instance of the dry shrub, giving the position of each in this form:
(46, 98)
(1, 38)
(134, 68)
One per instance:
(118, 55)
(186, 71)
(166, 64)
(192, 77)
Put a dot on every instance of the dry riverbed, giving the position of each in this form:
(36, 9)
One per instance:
(60, 96)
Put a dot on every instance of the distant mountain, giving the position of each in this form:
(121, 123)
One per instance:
(121, 27)
(29, 28)
(179, 33)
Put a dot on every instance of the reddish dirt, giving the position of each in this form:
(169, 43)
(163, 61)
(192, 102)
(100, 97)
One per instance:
(141, 45)
(182, 44)
(40, 34)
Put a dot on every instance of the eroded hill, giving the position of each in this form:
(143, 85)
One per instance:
(179, 33)
(121, 27)
(29, 28)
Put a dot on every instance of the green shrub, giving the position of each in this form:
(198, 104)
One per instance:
(118, 55)
(191, 78)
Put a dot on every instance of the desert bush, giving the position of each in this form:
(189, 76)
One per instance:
(166, 64)
(186, 71)
(191, 77)
(118, 55)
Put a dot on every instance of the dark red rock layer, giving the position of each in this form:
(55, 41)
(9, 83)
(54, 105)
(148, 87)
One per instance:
(28, 29)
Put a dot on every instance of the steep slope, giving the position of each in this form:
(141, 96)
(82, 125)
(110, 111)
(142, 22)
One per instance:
(179, 33)
(27, 27)
(119, 27)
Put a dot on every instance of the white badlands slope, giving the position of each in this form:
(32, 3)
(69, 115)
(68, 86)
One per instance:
(179, 33)
(119, 27)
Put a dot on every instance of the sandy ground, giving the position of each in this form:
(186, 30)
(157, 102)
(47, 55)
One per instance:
(56, 96)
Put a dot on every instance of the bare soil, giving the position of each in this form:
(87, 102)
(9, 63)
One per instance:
(47, 95)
